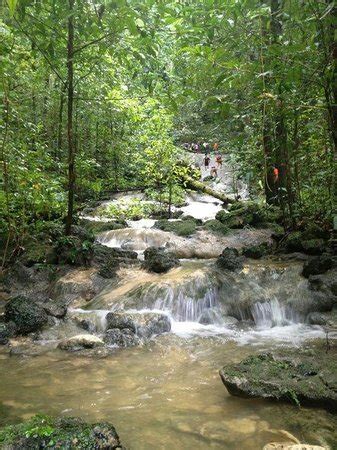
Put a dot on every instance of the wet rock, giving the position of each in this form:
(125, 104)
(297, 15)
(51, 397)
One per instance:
(291, 446)
(26, 315)
(55, 308)
(46, 432)
(110, 259)
(318, 265)
(158, 260)
(97, 227)
(7, 330)
(291, 377)
(79, 342)
(102, 253)
(230, 260)
(328, 319)
(121, 338)
(144, 325)
(257, 251)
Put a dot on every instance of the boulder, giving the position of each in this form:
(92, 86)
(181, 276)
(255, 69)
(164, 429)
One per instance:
(294, 377)
(26, 315)
(7, 330)
(230, 260)
(158, 260)
(318, 265)
(121, 338)
(217, 227)
(184, 227)
(110, 259)
(144, 325)
(80, 341)
(326, 319)
(257, 251)
(241, 214)
(314, 246)
(66, 432)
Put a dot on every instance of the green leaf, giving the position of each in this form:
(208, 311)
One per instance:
(12, 4)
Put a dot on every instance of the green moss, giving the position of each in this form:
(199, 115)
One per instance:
(215, 226)
(46, 432)
(98, 227)
(179, 227)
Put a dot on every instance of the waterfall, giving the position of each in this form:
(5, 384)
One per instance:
(272, 313)
(187, 308)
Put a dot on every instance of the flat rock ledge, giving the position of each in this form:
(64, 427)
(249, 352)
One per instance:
(299, 377)
(55, 433)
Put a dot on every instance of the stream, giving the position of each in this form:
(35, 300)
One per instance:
(167, 393)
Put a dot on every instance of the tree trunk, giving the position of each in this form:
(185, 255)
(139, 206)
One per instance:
(60, 120)
(71, 149)
(200, 187)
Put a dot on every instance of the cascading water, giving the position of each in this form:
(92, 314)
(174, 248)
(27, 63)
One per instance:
(271, 314)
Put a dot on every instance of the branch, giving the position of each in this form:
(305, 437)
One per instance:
(41, 51)
(95, 41)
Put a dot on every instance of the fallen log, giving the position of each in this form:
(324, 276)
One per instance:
(195, 185)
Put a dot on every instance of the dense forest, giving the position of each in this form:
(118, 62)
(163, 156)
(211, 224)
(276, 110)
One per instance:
(168, 214)
(99, 96)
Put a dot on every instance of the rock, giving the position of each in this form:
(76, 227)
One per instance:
(327, 319)
(55, 308)
(158, 260)
(121, 338)
(144, 325)
(314, 246)
(102, 253)
(7, 330)
(211, 316)
(318, 265)
(230, 260)
(257, 251)
(215, 226)
(97, 227)
(292, 377)
(110, 259)
(26, 315)
(66, 432)
(248, 213)
(185, 227)
(80, 342)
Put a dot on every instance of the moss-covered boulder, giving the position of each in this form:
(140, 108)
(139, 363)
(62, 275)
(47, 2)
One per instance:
(96, 227)
(216, 227)
(241, 214)
(109, 260)
(257, 251)
(308, 378)
(159, 260)
(63, 433)
(179, 227)
(27, 315)
(230, 259)
(7, 330)
(318, 265)
(74, 250)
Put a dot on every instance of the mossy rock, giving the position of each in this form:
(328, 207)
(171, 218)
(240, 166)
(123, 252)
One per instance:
(158, 260)
(25, 314)
(215, 226)
(180, 227)
(241, 214)
(292, 377)
(96, 227)
(314, 246)
(66, 433)
(257, 251)
(314, 231)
